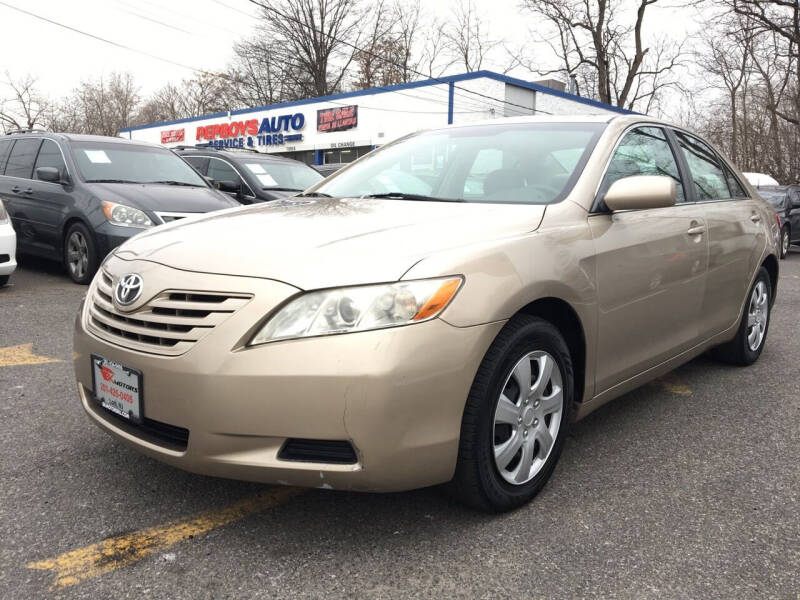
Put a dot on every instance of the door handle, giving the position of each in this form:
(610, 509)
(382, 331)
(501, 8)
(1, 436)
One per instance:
(755, 218)
(16, 189)
(29, 191)
(696, 230)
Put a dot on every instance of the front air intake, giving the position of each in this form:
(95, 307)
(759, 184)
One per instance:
(338, 452)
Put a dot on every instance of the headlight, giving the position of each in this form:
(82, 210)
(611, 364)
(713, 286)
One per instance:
(119, 214)
(3, 214)
(361, 308)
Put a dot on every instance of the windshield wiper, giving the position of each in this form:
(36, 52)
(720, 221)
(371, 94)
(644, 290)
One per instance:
(281, 189)
(404, 196)
(173, 182)
(111, 181)
(313, 195)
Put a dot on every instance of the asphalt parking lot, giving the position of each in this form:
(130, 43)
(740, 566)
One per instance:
(686, 488)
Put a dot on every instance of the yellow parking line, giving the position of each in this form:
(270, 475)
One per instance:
(22, 355)
(79, 565)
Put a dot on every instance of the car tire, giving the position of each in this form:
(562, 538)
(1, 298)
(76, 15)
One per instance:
(80, 254)
(746, 347)
(786, 241)
(487, 476)
(4, 279)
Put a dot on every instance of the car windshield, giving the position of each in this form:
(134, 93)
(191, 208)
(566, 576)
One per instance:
(282, 175)
(774, 197)
(107, 162)
(532, 163)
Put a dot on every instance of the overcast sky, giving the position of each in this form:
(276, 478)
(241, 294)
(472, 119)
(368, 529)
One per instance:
(197, 33)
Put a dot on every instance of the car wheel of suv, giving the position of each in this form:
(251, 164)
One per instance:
(751, 336)
(80, 256)
(516, 417)
(786, 241)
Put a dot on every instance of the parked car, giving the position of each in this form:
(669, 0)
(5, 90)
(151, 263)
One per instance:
(250, 176)
(8, 247)
(330, 168)
(440, 312)
(758, 180)
(74, 198)
(786, 201)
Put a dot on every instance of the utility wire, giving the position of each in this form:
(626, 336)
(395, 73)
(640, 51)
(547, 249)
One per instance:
(111, 42)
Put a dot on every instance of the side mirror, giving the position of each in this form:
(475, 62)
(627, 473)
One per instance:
(640, 192)
(230, 187)
(50, 174)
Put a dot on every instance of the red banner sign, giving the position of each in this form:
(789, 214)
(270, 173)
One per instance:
(337, 119)
(170, 136)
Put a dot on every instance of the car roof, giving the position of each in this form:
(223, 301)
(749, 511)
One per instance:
(234, 154)
(78, 137)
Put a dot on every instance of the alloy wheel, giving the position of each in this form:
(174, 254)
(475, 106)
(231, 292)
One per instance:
(757, 316)
(785, 242)
(528, 417)
(77, 255)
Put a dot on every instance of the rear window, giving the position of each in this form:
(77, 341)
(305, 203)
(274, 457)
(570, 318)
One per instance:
(22, 157)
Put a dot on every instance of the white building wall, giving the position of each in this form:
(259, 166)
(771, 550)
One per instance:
(385, 116)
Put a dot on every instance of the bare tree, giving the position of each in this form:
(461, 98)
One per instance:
(782, 18)
(23, 107)
(107, 104)
(467, 36)
(317, 37)
(601, 46)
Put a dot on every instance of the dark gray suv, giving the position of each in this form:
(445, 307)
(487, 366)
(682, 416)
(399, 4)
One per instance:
(250, 176)
(74, 198)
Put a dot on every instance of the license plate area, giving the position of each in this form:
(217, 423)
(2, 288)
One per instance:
(117, 388)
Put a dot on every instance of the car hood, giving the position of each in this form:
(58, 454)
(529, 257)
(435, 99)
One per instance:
(161, 197)
(327, 242)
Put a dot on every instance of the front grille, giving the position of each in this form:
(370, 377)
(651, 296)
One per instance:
(169, 324)
(168, 217)
(318, 451)
(156, 432)
(4, 258)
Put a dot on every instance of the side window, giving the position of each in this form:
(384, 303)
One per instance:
(736, 188)
(5, 149)
(795, 199)
(708, 176)
(50, 156)
(198, 162)
(219, 170)
(23, 154)
(644, 151)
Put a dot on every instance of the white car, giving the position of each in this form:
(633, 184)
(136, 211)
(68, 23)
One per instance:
(8, 246)
(758, 180)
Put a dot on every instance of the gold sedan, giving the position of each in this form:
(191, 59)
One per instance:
(438, 312)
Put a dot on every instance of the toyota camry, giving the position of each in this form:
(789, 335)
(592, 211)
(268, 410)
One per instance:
(438, 312)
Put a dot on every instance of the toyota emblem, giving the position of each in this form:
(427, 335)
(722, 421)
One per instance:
(128, 290)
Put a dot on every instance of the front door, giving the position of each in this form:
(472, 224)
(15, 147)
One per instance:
(650, 266)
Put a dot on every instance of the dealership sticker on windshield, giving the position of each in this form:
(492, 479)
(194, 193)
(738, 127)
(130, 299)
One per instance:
(255, 168)
(97, 156)
(117, 388)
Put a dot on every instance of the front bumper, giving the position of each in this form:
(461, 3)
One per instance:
(396, 394)
(8, 250)
(110, 236)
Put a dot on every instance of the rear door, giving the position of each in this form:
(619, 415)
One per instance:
(17, 190)
(650, 264)
(736, 235)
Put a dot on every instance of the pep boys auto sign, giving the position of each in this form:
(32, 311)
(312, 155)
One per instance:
(270, 131)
